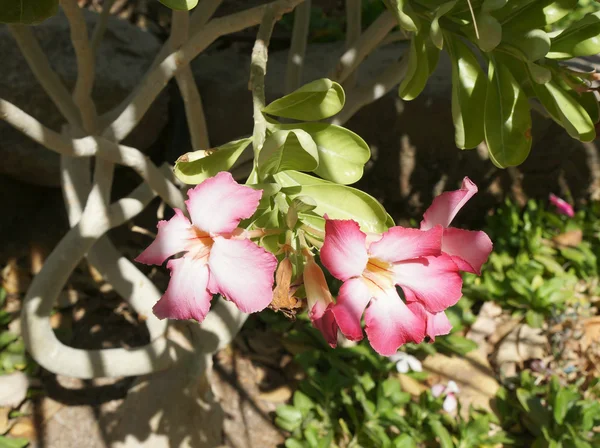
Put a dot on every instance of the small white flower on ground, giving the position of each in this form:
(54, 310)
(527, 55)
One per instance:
(405, 362)
(449, 391)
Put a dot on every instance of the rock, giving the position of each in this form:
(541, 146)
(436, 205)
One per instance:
(123, 57)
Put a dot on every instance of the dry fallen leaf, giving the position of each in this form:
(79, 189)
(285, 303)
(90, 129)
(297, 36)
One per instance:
(14, 279)
(591, 332)
(411, 385)
(521, 344)
(279, 395)
(571, 238)
(283, 294)
(4, 421)
(473, 375)
(24, 427)
(485, 325)
(13, 389)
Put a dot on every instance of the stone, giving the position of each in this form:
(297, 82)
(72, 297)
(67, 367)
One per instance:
(123, 57)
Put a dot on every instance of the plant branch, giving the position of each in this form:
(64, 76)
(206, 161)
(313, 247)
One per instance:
(139, 103)
(353, 30)
(367, 42)
(192, 101)
(376, 88)
(100, 27)
(93, 146)
(297, 52)
(45, 75)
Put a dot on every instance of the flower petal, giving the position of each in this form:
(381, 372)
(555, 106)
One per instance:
(450, 403)
(399, 243)
(452, 388)
(562, 206)
(324, 321)
(242, 272)
(344, 251)
(469, 249)
(444, 207)
(390, 324)
(414, 364)
(173, 236)
(435, 281)
(187, 296)
(402, 366)
(352, 300)
(218, 204)
(437, 324)
(437, 390)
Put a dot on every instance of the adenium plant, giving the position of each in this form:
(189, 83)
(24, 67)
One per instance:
(401, 280)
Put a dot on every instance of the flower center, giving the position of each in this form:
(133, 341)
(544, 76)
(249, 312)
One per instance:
(200, 244)
(379, 273)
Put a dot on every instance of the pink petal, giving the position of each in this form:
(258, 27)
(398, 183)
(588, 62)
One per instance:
(324, 321)
(218, 204)
(320, 302)
(435, 281)
(563, 206)
(173, 236)
(352, 300)
(444, 207)
(242, 272)
(437, 390)
(344, 251)
(469, 249)
(399, 243)
(390, 324)
(437, 324)
(187, 296)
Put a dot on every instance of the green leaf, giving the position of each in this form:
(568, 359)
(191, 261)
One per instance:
(27, 12)
(289, 413)
(337, 201)
(580, 39)
(288, 150)
(404, 441)
(9, 442)
(194, 167)
(437, 37)
(534, 319)
(342, 153)
(468, 94)
(418, 69)
(404, 14)
(534, 44)
(440, 431)
(562, 402)
(490, 31)
(531, 14)
(180, 5)
(566, 111)
(314, 101)
(507, 118)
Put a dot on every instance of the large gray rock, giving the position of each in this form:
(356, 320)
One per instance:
(123, 57)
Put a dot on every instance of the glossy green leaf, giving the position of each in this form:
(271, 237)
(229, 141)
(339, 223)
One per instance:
(11, 442)
(418, 69)
(27, 12)
(342, 153)
(533, 14)
(580, 39)
(507, 118)
(194, 167)
(590, 103)
(404, 14)
(437, 37)
(316, 100)
(534, 44)
(468, 94)
(492, 5)
(288, 150)
(562, 402)
(539, 74)
(180, 5)
(337, 201)
(441, 433)
(566, 111)
(490, 31)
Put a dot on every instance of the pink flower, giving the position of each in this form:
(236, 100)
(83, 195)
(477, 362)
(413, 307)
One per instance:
(562, 206)
(409, 258)
(468, 249)
(320, 302)
(218, 258)
(449, 391)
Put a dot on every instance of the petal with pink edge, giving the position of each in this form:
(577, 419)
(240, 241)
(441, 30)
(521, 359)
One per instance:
(352, 300)
(187, 296)
(469, 249)
(324, 321)
(444, 207)
(435, 281)
(218, 204)
(173, 236)
(242, 272)
(391, 324)
(344, 251)
(437, 324)
(399, 243)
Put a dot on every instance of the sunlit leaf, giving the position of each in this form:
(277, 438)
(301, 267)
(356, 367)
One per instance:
(288, 150)
(180, 5)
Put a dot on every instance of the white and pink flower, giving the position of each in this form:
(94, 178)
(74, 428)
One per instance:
(218, 257)
(409, 258)
(449, 393)
(320, 301)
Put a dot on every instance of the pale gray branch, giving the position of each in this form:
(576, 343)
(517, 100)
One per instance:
(297, 52)
(353, 30)
(100, 27)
